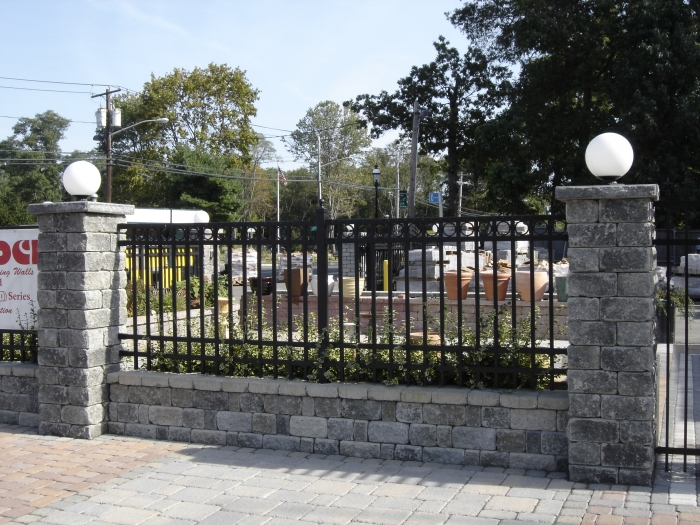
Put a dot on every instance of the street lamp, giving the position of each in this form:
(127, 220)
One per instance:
(609, 156)
(108, 135)
(376, 173)
(81, 179)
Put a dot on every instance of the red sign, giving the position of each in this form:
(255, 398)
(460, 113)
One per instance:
(19, 255)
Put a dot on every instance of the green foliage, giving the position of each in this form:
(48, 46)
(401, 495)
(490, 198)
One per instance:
(342, 142)
(586, 68)
(181, 301)
(258, 200)
(220, 197)
(240, 350)
(32, 171)
(502, 345)
(13, 344)
(676, 297)
(298, 200)
(460, 90)
(208, 133)
(208, 109)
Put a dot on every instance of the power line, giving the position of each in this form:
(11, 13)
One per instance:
(57, 82)
(51, 90)
(267, 127)
(40, 151)
(125, 163)
(66, 83)
(69, 120)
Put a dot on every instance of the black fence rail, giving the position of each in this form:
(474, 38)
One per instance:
(677, 324)
(265, 300)
(18, 345)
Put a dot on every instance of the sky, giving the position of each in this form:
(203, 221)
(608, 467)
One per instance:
(296, 52)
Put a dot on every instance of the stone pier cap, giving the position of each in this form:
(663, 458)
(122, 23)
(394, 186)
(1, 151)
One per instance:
(105, 208)
(610, 191)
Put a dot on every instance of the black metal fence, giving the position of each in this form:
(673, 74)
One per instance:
(18, 345)
(677, 323)
(419, 322)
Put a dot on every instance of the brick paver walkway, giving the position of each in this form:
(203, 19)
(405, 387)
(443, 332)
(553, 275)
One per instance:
(115, 480)
(36, 471)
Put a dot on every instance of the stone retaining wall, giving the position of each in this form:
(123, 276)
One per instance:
(522, 429)
(19, 388)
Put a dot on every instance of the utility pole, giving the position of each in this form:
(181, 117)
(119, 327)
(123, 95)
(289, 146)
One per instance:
(320, 198)
(398, 191)
(414, 162)
(459, 202)
(417, 114)
(108, 140)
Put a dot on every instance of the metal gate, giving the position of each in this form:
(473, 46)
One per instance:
(678, 329)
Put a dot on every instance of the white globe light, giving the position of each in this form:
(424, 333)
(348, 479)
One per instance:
(81, 179)
(201, 216)
(609, 156)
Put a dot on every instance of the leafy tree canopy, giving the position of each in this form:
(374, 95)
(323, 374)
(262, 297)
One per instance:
(587, 67)
(460, 90)
(342, 143)
(32, 166)
(208, 132)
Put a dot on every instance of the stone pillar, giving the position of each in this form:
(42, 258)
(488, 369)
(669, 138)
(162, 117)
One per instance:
(611, 377)
(82, 303)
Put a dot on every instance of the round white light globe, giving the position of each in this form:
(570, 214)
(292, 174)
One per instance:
(609, 156)
(201, 217)
(81, 179)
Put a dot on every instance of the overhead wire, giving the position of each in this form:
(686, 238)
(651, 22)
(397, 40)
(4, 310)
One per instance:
(51, 90)
(69, 120)
(128, 163)
(466, 212)
(67, 83)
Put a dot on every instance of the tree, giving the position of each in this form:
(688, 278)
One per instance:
(202, 188)
(298, 200)
(342, 142)
(32, 166)
(259, 187)
(587, 68)
(208, 109)
(461, 92)
(209, 112)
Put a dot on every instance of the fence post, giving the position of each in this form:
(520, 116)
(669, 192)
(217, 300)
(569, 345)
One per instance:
(612, 371)
(322, 284)
(82, 303)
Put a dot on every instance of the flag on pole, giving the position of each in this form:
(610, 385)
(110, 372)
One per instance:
(280, 174)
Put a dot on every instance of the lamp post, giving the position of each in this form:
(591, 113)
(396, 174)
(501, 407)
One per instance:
(376, 173)
(609, 156)
(108, 136)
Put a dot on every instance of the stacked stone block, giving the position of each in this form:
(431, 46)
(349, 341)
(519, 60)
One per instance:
(82, 303)
(611, 329)
(523, 429)
(18, 394)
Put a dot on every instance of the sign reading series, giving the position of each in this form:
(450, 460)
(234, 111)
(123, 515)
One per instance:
(18, 277)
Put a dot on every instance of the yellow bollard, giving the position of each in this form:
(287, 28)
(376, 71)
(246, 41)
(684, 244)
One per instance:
(386, 275)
